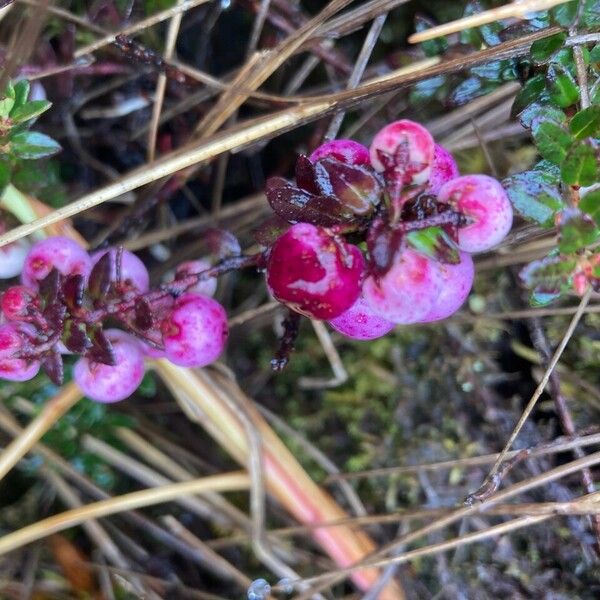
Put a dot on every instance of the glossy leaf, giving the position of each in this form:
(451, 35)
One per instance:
(29, 110)
(586, 123)
(382, 243)
(580, 166)
(101, 349)
(542, 50)
(21, 90)
(430, 47)
(552, 140)
(565, 14)
(550, 275)
(539, 111)
(73, 289)
(435, 243)
(562, 88)
(533, 197)
(577, 230)
(32, 145)
(100, 277)
(590, 17)
(75, 337)
(306, 175)
(531, 92)
(267, 233)
(590, 204)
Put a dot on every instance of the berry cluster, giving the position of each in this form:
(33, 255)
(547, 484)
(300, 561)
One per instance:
(67, 296)
(403, 205)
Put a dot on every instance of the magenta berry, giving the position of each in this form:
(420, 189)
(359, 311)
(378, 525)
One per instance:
(346, 151)
(456, 283)
(59, 252)
(11, 341)
(18, 302)
(443, 169)
(106, 383)
(407, 292)
(12, 259)
(12, 367)
(403, 150)
(484, 202)
(195, 332)
(359, 322)
(133, 270)
(206, 287)
(313, 272)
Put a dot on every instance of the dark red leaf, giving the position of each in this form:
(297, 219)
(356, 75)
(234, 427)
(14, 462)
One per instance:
(73, 288)
(101, 349)
(270, 230)
(143, 315)
(306, 175)
(75, 337)
(382, 243)
(55, 315)
(100, 277)
(53, 367)
(50, 286)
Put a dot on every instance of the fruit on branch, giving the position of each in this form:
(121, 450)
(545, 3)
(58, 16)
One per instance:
(68, 257)
(346, 151)
(359, 322)
(483, 201)
(404, 152)
(456, 281)
(112, 383)
(195, 331)
(314, 272)
(12, 258)
(443, 169)
(133, 271)
(19, 302)
(407, 292)
(206, 287)
(12, 343)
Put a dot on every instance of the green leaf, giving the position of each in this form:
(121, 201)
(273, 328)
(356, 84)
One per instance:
(595, 92)
(590, 204)
(552, 140)
(541, 111)
(565, 13)
(21, 92)
(5, 172)
(543, 49)
(549, 277)
(577, 230)
(562, 88)
(595, 54)
(590, 17)
(586, 123)
(580, 166)
(534, 198)
(435, 243)
(32, 145)
(29, 110)
(431, 47)
(6, 105)
(530, 92)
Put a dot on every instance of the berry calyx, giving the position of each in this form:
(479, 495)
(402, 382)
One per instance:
(112, 383)
(456, 283)
(195, 331)
(18, 303)
(443, 169)
(346, 151)
(62, 253)
(407, 291)
(403, 151)
(359, 322)
(484, 202)
(206, 287)
(314, 272)
(133, 271)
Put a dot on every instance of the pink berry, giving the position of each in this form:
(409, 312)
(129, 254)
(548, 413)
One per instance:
(483, 201)
(133, 270)
(195, 332)
(64, 254)
(207, 287)
(106, 383)
(359, 322)
(17, 302)
(456, 283)
(443, 169)
(403, 149)
(12, 259)
(407, 292)
(346, 151)
(13, 368)
(313, 272)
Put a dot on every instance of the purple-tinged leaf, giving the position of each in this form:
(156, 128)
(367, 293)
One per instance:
(306, 175)
(382, 243)
(577, 230)
(549, 277)
(50, 287)
(52, 364)
(75, 337)
(143, 319)
(101, 349)
(73, 289)
(54, 314)
(267, 233)
(100, 277)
